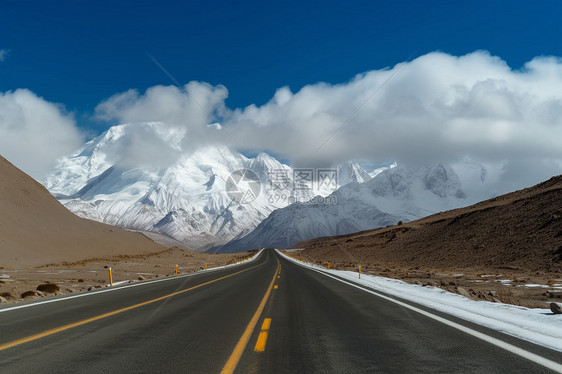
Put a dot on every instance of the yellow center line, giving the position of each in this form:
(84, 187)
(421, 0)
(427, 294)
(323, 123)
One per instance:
(262, 338)
(266, 324)
(109, 314)
(236, 354)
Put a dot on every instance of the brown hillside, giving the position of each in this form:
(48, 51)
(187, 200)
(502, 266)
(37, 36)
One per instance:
(520, 230)
(35, 229)
(515, 237)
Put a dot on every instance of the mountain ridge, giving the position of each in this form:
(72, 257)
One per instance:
(186, 199)
(521, 230)
(395, 194)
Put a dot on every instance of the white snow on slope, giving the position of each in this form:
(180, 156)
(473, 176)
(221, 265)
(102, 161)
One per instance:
(536, 325)
(184, 197)
(395, 194)
(377, 171)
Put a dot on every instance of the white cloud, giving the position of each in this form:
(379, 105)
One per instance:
(152, 144)
(35, 132)
(3, 54)
(435, 108)
(192, 107)
(191, 110)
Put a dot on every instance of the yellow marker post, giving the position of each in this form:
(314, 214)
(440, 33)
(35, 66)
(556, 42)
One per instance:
(359, 272)
(110, 278)
(176, 269)
(205, 266)
(225, 264)
(328, 266)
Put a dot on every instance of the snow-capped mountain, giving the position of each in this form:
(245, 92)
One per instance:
(352, 172)
(197, 198)
(395, 194)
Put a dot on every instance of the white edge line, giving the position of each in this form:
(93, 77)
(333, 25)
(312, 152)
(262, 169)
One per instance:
(549, 364)
(90, 293)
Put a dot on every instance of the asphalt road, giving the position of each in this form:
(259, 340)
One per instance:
(304, 321)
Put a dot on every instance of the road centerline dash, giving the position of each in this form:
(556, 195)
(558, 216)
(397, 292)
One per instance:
(236, 354)
(262, 338)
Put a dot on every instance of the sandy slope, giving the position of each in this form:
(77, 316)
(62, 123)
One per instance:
(35, 229)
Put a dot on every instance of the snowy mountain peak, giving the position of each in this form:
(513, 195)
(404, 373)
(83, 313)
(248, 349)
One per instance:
(351, 172)
(184, 195)
(443, 181)
(395, 194)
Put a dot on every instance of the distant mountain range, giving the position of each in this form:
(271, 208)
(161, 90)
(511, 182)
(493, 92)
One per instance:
(189, 199)
(396, 194)
(220, 200)
(517, 232)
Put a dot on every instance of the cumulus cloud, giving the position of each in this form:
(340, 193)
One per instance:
(188, 111)
(3, 54)
(34, 132)
(148, 144)
(435, 108)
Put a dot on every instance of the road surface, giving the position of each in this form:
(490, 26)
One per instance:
(266, 316)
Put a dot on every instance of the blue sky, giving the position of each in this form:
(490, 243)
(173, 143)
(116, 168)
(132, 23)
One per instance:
(79, 52)
(313, 83)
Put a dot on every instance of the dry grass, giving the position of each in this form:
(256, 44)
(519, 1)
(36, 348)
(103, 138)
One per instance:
(48, 287)
(92, 275)
(28, 294)
(7, 295)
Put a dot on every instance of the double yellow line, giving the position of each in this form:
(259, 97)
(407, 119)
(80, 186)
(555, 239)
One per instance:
(109, 314)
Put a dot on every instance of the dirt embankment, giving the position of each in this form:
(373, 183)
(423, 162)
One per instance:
(35, 229)
(46, 250)
(17, 285)
(505, 249)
